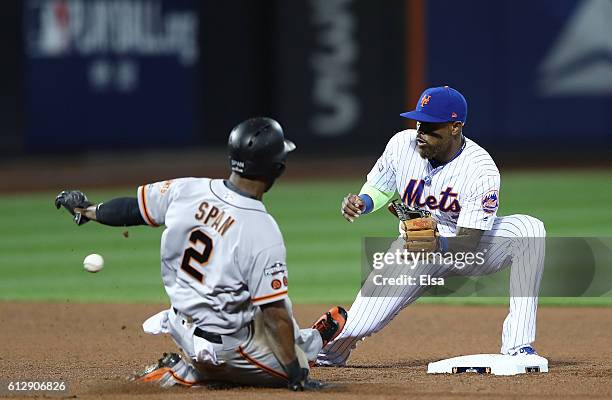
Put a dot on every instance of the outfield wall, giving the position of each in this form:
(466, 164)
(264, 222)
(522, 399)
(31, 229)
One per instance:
(151, 74)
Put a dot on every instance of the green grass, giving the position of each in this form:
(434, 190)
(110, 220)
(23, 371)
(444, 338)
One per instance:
(41, 250)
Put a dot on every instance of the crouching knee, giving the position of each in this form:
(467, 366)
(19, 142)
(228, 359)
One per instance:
(535, 227)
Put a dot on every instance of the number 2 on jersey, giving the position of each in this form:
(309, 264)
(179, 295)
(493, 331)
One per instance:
(200, 257)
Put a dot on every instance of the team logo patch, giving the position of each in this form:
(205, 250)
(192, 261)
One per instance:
(285, 281)
(276, 284)
(425, 100)
(275, 268)
(165, 187)
(490, 201)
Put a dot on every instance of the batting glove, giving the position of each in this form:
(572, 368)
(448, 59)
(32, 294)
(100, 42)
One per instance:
(71, 199)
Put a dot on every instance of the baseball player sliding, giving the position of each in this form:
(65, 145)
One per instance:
(437, 169)
(223, 267)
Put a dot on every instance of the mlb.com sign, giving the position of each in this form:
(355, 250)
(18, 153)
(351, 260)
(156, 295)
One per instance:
(120, 71)
(61, 28)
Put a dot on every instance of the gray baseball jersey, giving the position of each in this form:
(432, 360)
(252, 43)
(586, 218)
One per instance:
(222, 254)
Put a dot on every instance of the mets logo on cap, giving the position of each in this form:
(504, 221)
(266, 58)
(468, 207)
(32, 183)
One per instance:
(490, 201)
(439, 104)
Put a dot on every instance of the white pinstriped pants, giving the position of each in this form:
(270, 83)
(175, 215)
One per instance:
(516, 240)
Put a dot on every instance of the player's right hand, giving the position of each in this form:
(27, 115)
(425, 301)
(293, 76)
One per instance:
(352, 207)
(71, 199)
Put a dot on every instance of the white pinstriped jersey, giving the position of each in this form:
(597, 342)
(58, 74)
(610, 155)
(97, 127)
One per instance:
(222, 254)
(463, 192)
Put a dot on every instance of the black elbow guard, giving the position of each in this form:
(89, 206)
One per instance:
(122, 211)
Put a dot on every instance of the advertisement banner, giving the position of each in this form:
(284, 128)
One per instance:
(539, 72)
(110, 73)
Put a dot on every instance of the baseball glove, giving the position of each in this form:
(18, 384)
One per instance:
(420, 229)
(71, 199)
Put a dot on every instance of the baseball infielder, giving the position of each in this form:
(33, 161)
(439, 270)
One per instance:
(223, 267)
(435, 168)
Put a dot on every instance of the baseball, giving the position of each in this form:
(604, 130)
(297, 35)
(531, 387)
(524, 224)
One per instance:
(93, 263)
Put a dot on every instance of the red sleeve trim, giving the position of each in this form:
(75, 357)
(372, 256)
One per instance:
(269, 296)
(144, 210)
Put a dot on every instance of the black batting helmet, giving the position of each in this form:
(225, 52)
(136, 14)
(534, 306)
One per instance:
(258, 148)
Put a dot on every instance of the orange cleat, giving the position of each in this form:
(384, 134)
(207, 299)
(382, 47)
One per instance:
(163, 372)
(331, 324)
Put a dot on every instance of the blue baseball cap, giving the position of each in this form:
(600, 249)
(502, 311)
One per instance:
(439, 104)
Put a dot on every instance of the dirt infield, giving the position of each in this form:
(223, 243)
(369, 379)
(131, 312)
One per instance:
(94, 347)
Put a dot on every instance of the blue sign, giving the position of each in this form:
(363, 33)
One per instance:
(529, 69)
(110, 73)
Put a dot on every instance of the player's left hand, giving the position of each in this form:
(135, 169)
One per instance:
(421, 234)
(303, 382)
(299, 380)
(71, 199)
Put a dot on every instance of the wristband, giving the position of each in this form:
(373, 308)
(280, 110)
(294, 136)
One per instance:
(368, 202)
(379, 198)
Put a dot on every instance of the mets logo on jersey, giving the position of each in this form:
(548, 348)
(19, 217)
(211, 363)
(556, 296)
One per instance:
(490, 201)
(413, 196)
(425, 100)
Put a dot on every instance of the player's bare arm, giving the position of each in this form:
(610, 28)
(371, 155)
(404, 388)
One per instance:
(278, 325)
